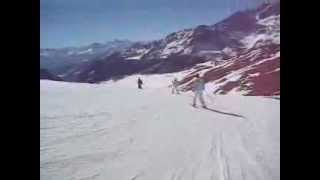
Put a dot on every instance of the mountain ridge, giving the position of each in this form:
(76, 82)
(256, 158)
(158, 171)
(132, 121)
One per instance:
(242, 41)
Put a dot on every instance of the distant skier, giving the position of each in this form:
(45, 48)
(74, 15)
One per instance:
(140, 83)
(215, 63)
(175, 84)
(198, 87)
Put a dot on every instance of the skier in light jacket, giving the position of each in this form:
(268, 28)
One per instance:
(198, 88)
(175, 84)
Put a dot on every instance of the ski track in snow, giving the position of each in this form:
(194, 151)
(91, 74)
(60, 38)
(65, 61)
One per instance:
(117, 132)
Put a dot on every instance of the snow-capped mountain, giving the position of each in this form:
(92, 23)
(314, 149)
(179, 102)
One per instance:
(59, 61)
(240, 53)
(254, 69)
(217, 39)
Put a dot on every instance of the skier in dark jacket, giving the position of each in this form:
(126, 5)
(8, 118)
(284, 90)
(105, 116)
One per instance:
(140, 83)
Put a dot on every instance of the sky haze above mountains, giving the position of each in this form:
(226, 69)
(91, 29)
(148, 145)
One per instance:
(81, 22)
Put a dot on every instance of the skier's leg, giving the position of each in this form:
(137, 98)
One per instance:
(195, 98)
(177, 90)
(201, 99)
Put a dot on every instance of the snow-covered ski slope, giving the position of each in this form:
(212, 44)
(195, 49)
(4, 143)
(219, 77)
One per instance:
(113, 131)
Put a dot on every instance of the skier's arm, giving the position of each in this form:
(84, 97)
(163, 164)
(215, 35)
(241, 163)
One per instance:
(193, 85)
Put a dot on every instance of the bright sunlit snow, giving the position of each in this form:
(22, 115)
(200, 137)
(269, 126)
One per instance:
(113, 131)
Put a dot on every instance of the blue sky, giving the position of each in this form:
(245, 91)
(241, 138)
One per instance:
(80, 22)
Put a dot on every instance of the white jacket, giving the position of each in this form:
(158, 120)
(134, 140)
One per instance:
(199, 85)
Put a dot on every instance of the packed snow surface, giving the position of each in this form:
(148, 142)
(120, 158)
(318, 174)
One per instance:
(113, 131)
